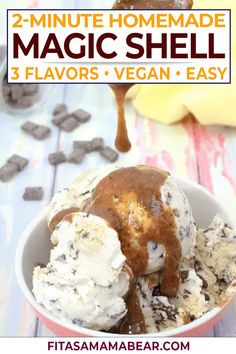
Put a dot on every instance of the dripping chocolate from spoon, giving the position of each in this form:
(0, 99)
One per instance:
(122, 141)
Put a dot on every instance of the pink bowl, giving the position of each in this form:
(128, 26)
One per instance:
(34, 247)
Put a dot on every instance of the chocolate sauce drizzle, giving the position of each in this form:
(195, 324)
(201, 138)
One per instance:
(122, 141)
(129, 199)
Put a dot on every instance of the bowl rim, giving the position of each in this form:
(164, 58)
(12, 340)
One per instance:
(95, 333)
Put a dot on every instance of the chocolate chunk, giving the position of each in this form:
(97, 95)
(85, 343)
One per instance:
(41, 132)
(53, 301)
(57, 158)
(204, 282)
(59, 108)
(33, 194)
(207, 230)
(6, 89)
(184, 275)
(61, 258)
(109, 154)
(19, 161)
(156, 291)
(60, 117)
(81, 116)
(153, 245)
(7, 171)
(77, 322)
(207, 296)
(20, 95)
(26, 101)
(176, 213)
(82, 144)
(30, 89)
(77, 156)
(16, 92)
(69, 124)
(29, 126)
(168, 198)
(97, 144)
(197, 266)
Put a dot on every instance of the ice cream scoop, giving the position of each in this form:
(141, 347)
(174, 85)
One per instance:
(157, 310)
(172, 196)
(72, 198)
(86, 278)
(217, 247)
(117, 258)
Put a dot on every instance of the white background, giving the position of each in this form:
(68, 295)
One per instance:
(221, 45)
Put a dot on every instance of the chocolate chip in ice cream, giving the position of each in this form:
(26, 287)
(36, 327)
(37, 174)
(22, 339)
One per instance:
(207, 296)
(198, 265)
(184, 275)
(204, 282)
(176, 212)
(61, 258)
(156, 291)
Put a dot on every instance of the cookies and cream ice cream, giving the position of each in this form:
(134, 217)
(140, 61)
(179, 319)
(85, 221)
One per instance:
(127, 256)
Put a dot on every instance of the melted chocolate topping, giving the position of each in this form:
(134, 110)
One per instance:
(153, 4)
(129, 199)
(122, 141)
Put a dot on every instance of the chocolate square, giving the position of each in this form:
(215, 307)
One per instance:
(33, 194)
(82, 144)
(77, 156)
(56, 158)
(19, 161)
(7, 171)
(59, 108)
(81, 115)
(69, 124)
(97, 144)
(109, 154)
(29, 126)
(41, 132)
